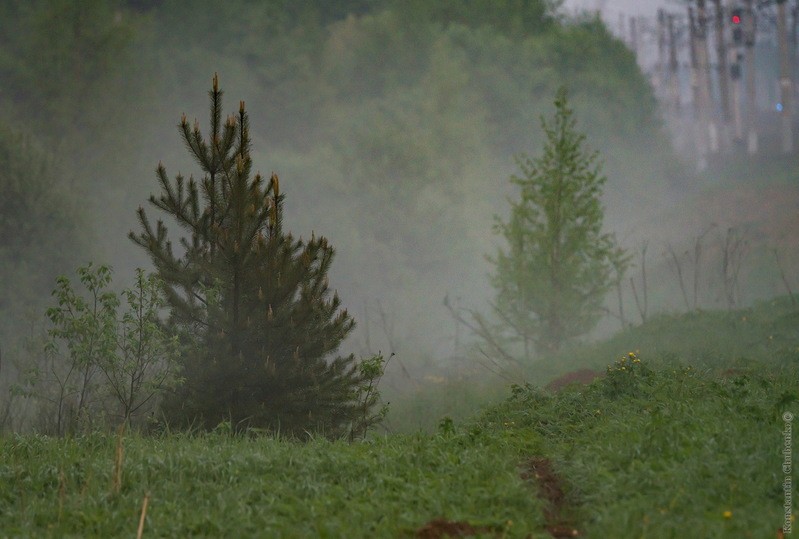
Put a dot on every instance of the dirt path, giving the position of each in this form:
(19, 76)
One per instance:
(550, 490)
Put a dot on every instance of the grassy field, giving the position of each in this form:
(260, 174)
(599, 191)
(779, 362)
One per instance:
(675, 441)
(218, 486)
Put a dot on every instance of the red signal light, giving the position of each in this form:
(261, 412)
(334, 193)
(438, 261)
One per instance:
(736, 19)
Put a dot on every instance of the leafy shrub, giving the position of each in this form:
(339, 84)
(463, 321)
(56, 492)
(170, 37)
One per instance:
(97, 363)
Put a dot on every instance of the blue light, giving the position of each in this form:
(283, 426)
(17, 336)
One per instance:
(779, 107)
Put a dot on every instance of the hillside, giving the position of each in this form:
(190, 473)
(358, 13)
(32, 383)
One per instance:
(715, 341)
(653, 449)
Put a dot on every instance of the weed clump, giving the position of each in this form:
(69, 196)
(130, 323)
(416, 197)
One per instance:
(626, 375)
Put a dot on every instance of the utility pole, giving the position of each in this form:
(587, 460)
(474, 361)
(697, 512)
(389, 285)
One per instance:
(706, 132)
(786, 83)
(674, 66)
(703, 64)
(748, 24)
(794, 44)
(724, 74)
(661, 68)
(735, 75)
(692, 52)
(634, 35)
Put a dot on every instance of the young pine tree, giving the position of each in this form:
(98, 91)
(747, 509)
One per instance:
(553, 278)
(253, 300)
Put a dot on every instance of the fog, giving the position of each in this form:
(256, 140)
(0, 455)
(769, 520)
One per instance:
(393, 137)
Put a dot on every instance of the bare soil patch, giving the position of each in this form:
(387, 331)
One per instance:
(438, 528)
(580, 376)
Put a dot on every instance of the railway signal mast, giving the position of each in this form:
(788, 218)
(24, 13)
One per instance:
(748, 31)
(786, 81)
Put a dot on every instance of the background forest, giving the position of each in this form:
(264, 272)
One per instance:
(392, 124)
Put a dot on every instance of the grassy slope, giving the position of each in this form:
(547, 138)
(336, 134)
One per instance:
(655, 450)
(768, 332)
(667, 453)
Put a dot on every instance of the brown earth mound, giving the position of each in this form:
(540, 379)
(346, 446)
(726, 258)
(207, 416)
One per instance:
(581, 376)
(438, 528)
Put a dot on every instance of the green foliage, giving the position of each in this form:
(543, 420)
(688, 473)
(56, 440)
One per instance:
(98, 365)
(220, 485)
(511, 17)
(404, 126)
(765, 333)
(624, 376)
(446, 426)
(667, 460)
(264, 336)
(66, 65)
(87, 327)
(553, 278)
(56, 57)
(724, 342)
(396, 117)
(146, 359)
(664, 458)
(43, 232)
(367, 396)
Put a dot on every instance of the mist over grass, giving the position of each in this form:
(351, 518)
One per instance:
(715, 342)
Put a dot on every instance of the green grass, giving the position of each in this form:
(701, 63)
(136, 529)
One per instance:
(656, 450)
(766, 333)
(214, 486)
(666, 451)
